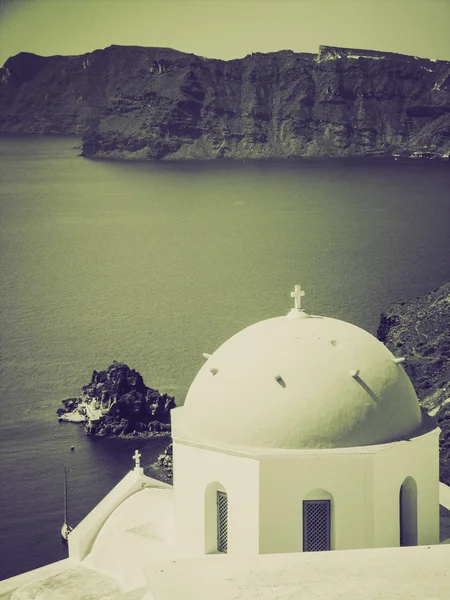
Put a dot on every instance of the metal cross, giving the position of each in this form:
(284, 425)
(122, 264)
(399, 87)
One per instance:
(136, 457)
(298, 294)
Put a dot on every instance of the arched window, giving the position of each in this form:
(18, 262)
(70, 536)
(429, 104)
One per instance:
(408, 512)
(317, 521)
(216, 518)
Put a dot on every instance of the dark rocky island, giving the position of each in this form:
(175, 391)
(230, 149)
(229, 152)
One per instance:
(419, 330)
(117, 402)
(158, 103)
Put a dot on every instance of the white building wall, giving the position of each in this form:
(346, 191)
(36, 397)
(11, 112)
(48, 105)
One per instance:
(196, 468)
(266, 491)
(287, 479)
(417, 458)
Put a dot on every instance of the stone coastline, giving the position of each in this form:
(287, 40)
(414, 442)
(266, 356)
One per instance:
(73, 417)
(117, 402)
(164, 463)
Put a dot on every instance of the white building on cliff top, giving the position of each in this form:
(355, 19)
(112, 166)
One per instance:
(299, 434)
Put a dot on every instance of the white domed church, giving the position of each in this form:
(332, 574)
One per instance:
(300, 434)
(303, 433)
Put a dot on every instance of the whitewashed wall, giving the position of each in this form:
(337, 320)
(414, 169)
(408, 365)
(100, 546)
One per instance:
(287, 480)
(198, 473)
(417, 458)
(266, 493)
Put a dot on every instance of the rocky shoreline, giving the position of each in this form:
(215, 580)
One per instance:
(164, 463)
(116, 402)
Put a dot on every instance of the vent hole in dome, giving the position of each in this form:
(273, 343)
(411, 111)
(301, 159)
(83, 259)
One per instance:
(214, 370)
(280, 380)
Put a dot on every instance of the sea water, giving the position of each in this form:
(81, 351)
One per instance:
(153, 264)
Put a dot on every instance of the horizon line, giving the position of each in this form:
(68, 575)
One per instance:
(287, 50)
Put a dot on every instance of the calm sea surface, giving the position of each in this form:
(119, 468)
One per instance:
(154, 264)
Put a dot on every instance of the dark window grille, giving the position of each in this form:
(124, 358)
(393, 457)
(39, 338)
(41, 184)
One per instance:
(222, 522)
(316, 525)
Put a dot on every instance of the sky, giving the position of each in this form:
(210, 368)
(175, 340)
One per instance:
(225, 28)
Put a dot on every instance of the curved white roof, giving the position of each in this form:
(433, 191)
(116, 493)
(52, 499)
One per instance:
(140, 528)
(301, 381)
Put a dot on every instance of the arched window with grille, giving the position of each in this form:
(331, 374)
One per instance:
(317, 521)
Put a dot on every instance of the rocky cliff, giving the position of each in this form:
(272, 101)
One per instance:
(419, 330)
(117, 402)
(164, 463)
(158, 103)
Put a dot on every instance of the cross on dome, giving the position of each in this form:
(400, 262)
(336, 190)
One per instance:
(137, 462)
(298, 294)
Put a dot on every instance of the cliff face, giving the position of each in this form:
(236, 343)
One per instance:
(157, 103)
(419, 330)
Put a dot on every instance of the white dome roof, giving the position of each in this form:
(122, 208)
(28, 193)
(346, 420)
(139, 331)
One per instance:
(301, 382)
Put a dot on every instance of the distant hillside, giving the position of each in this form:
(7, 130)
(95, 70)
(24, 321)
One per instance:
(158, 103)
(419, 330)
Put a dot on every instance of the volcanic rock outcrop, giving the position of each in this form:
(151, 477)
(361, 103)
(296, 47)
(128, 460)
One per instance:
(164, 463)
(419, 330)
(158, 103)
(117, 402)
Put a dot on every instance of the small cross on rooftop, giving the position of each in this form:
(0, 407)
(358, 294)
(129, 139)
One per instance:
(137, 462)
(298, 294)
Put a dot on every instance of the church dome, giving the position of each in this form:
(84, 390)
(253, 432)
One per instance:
(301, 381)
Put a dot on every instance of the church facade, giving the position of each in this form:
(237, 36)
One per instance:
(293, 501)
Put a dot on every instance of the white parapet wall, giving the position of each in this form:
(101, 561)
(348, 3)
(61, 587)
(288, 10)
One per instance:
(83, 536)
